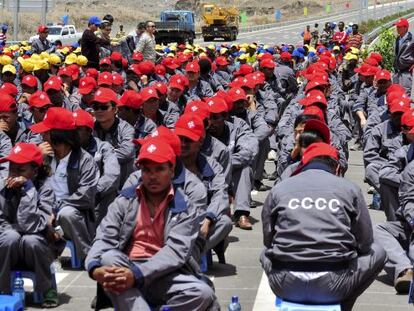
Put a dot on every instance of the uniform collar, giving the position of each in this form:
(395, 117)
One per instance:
(204, 166)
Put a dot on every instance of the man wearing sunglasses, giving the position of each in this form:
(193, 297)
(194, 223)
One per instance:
(146, 43)
(117, 132)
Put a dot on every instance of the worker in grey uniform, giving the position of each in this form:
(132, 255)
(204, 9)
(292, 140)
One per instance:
(139, 267)
(106, 161)
(26, 215)
(74, 180)
(197, 89)
(237, 135)
(54, 89)
(396, 236)
(285, 74)
(129, 110)
(390, 172)
(404, 55)
(216, 224)
(318, 235)
(383, 140)
(110, 128)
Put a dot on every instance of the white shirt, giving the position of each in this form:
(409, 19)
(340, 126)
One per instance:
(59, 179)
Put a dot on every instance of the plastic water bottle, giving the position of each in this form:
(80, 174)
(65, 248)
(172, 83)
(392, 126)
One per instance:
(18, 287)
(278, 303)
(166, 309)
(234, 305)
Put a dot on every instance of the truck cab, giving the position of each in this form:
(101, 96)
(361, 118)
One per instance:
(175, 26)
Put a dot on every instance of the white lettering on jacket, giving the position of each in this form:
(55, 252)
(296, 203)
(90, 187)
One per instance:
(320, 204)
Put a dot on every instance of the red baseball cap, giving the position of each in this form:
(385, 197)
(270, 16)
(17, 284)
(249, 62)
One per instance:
(312, 84)
(192, 67)
(243, 70)
(224, 95)
(371, 61)
(266, 56)
(105, 61)
(317, 150)
(396, 88)
(39, 99)
(42, 29)
(131, 99)
(190, 126)
(9, 88)
(313, 97)
(75, 71)
(407, 118)
(161, 87)
(83, 118)
(399, 105)
(105, 95)
(117, 79)
(23, 153)
(267, 63)
(156, 150)
(198, 108)
(56, 118)
(30, 81)
(390, 97)
(248, 82)
(165, 134)
(177, 82)
(402, 22)
(65, 71)
(319, 126)
(87, 85)
(7, 102)
(315, 111)
(383, 75)
(170, 63)
(135, 69)
(286, 56)
(236, 94)
(160, 70)
(53, 83)
(217, 105)
(147, 93)
(146, 67)
(116, 56)
(92, 72)
(137, 56)
(376, 56)
(105, 79)
(222, 61)
(366, 70)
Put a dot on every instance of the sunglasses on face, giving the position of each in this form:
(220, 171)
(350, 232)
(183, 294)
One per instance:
(406, 127)
(43, 109)
(98, 107)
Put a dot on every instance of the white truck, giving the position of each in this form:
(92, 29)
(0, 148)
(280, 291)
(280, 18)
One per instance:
(66, 34)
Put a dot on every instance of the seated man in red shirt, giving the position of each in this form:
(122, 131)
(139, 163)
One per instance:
(142, 251)
(340, 37)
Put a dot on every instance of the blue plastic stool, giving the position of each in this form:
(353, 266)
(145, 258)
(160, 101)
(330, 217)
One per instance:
(37, 297)
(10, 303)
(290, 306)
(75, 263)
(206, 261)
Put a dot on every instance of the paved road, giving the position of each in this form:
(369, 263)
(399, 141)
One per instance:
(291, 34)
(242, 275)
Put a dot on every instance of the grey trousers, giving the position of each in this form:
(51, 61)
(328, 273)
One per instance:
(389, 200)
(342, 286)
(260, 159)
(176, 290)
(29, 252)
(75, 228)
(372, 175)
(242, 186)
(404, 79)
(395, 237)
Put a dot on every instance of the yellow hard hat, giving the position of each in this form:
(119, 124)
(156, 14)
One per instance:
(9, 68)
(336, 48)
(211, 47)
(55, 60)
(253, 46)
(77, 50)
(5, 60)
(35, 57)
(65, 50)
(26, 65)
(44, 55)
(71, 59)
(223, 51)
(243, 50)
(170, 55)
(354, 50)
(243, 56)
(41, 64)
(82, 60)
(24, 43)
(189, 47)
(350, 56)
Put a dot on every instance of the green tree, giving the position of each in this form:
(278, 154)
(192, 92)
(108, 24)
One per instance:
(385, 46)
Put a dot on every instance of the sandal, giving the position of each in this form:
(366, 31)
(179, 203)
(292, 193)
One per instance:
(50, 299)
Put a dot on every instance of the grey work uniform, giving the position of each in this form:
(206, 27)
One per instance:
(404, 59)
(318, 239)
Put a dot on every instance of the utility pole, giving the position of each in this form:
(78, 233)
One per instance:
(16, 19)
(44, 10)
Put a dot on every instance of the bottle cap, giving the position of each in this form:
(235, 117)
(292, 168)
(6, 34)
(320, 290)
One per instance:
(234, 299)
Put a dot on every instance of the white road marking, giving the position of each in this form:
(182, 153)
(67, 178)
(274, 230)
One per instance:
(265, 298)
(28, 284)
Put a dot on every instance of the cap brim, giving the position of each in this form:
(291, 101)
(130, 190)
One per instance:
(154, 158)
(39, 128)
(177, 86)
(85, 91)
(187, 133)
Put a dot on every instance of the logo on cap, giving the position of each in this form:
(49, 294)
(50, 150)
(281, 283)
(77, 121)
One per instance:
(42, 96)
(98, 93)
(155, 133)
(17, 149)
(210, 103)
(194, 108)
(318, 97)
(150, 91)
(238, 92)
(50, 82)
(151, 148)
(191, 124)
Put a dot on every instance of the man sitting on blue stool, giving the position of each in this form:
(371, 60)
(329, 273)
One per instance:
(318, 236)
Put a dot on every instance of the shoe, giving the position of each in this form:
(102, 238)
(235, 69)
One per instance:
(244, 223)
(219, 250)
(50, 299)
(371, 190)
(272, 155)
(93, 303)
(265, 176)
(402, 283)
(259, 186)
(272, 176)
(253, 204)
